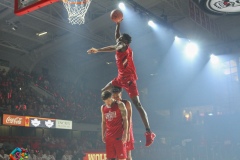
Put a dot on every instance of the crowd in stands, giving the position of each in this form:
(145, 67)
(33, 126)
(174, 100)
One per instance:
(59, 148)
(69, 102)
(51, 147)
(80, 104)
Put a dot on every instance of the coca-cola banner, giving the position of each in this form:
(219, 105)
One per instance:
(13, 120)
(26, 121)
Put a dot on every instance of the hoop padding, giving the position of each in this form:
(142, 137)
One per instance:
(32, 7)
(76, 10)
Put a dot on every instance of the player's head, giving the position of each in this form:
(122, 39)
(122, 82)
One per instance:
(125, 38)
(107, 97)
(117, 93)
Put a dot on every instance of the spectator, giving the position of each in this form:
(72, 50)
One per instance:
(67, 156)
(39, 155)
(3, 156)
(32, 156)
(54, 155)
(70, 101)
(47, 156)
(35, 145)
(30, 111)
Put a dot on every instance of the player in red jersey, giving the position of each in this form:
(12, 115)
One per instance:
(127, 75)
(117, 95)
(114, 127)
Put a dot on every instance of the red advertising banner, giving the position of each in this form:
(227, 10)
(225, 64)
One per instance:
(95, 156)
(13, 120)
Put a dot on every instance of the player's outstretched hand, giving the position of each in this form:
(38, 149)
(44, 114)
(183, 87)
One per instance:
(92, 50)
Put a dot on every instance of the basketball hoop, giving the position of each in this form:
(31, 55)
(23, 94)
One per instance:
(76, 10)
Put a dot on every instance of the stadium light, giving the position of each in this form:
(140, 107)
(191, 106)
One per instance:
(41, 33)
(214, 59)
(151, 23)
(121, 5)
(191, 49)
(177, 38)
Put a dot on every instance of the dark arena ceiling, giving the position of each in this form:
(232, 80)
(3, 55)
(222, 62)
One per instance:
(63, 49)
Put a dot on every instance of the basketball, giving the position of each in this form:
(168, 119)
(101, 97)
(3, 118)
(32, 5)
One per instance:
(116, 15)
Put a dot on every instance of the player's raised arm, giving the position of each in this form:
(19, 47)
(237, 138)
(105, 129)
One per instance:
(117, 31)
(125, 120)
(103, 126)
(104, 49)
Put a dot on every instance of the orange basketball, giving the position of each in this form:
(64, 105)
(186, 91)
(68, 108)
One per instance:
(116, 15)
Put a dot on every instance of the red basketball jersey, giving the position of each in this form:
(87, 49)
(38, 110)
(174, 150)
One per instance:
(114, 121)
(125, 64)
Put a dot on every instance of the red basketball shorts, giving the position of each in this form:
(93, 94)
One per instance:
(115, 148)
(129, 84)
(130, 146)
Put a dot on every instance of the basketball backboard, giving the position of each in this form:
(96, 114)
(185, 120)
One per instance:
(26, 6)
(76, 8)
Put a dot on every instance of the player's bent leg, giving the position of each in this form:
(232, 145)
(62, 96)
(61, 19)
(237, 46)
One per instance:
(149, 135)
(108, 87)
(141, 111)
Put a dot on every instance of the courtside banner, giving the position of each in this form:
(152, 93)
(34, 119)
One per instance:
(95, 156)
(63, 124)
(40, 122)
(13, 120)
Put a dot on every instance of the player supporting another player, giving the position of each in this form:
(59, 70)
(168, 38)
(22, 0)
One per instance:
(114, 127)
(117, 95)
(127, 75)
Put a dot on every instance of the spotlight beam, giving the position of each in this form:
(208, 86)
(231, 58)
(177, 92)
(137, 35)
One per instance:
(153, 16)
(121, 5)
(191, 50)
(151, 23)
(214, 59)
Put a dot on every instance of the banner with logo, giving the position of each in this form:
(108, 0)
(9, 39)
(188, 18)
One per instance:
(13, 120)
(27, 121)
(95, 156)
(63, 124)
(40, 122)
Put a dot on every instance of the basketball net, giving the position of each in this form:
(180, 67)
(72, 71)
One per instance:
(76, 10)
